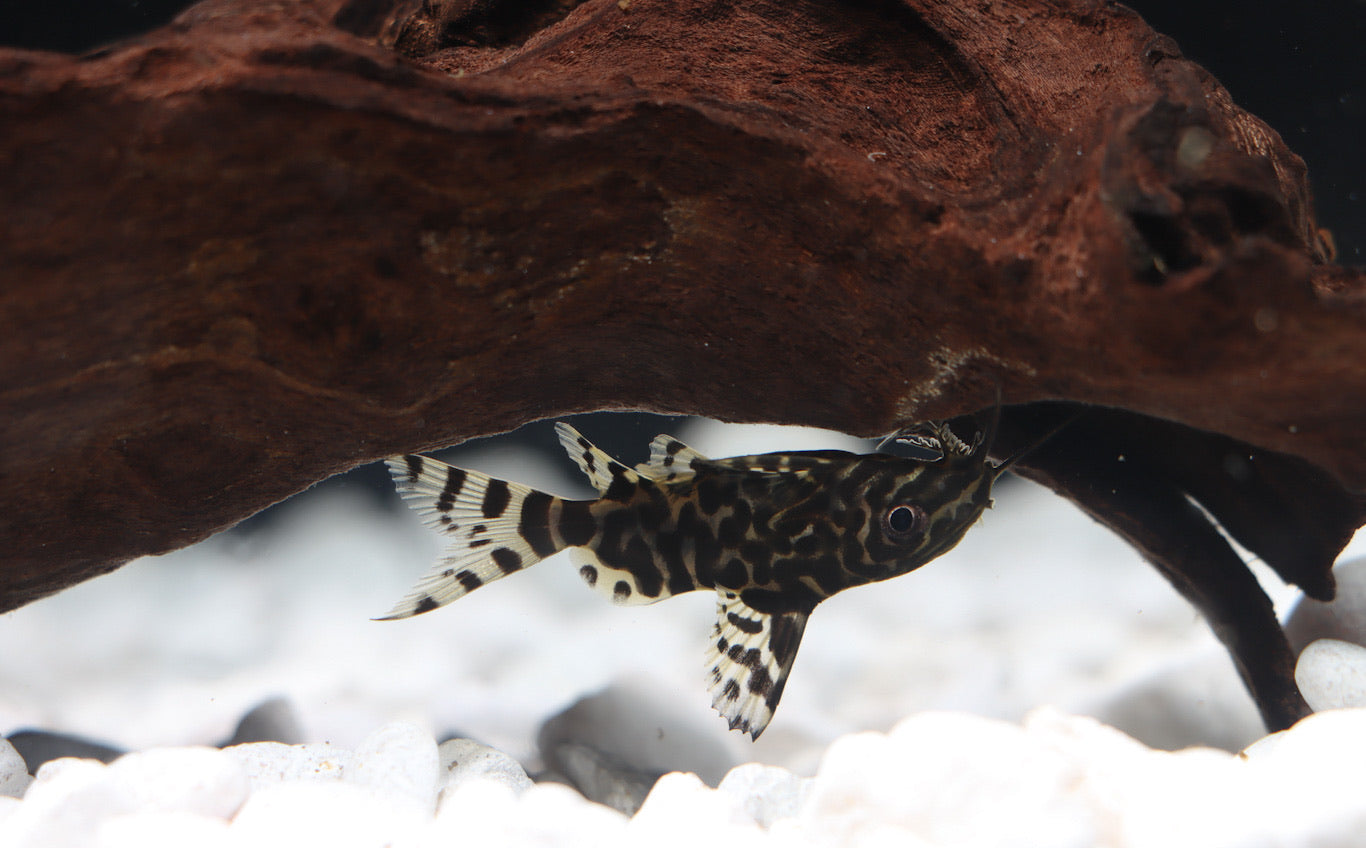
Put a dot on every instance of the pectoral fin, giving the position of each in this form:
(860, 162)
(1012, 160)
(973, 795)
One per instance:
(748, 661)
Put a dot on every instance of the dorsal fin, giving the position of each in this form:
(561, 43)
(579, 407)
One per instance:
(669, 456)
(670, 459)
(748, 660)
(601, 469)
(798, 463)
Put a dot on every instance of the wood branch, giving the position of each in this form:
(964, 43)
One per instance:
(1139, 475)
(267, 243)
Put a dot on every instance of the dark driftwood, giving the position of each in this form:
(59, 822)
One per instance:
(272, 241)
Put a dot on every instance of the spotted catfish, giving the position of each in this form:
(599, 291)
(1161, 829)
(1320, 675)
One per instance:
(772, 535)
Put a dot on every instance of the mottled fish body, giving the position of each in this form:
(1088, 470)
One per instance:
(773, 535)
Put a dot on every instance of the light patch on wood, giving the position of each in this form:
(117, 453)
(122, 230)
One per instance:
(946, 364)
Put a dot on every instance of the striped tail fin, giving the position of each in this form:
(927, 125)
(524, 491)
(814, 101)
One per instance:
(499, 528)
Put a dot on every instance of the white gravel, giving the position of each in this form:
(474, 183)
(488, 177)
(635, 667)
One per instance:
(913, 716)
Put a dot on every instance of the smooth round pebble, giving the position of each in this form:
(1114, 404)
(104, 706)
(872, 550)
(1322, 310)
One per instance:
(682, 810)
(271, 763)
(39, 746)
(163, 830)
(950, 778)
(463, 760)
(628, 733)
(14, 776)
(73, 800)
(557, 815)
(398, 760)
(599, 777)
(766, 793)
(64, 805)
(335, 814)
(934, 779)
(8, 807)
(1316, 744)
(488, 813)
(477, 804)
(272, 720)
(202, 781)
(1332, 674)
(1304, 784)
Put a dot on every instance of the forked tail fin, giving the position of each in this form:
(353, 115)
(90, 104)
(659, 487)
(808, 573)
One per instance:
(498, 528)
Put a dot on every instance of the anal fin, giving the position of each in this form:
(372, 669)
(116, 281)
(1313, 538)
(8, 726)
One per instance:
(748, 661)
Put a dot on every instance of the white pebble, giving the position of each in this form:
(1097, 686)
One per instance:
(1305, 782)
(64, 806)
(14, 776)
(682, 810)
(1332, 674)
(1322, 739)
(202, 781)
(464, 759)
(488, 813)
(398, 760)
(472, 805)
(554, 814)
(936, 779)
(1197, 796)
(950, 778)
(766, 793)
(331, 813)
(163, 830)
(273, 763)
(71, 801)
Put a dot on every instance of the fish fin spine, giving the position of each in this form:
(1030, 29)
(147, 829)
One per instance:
(670, 460)
(600, 468)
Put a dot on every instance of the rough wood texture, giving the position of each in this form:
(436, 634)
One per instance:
(272, 241)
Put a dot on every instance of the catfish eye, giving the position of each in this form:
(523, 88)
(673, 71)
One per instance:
(903, 521)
